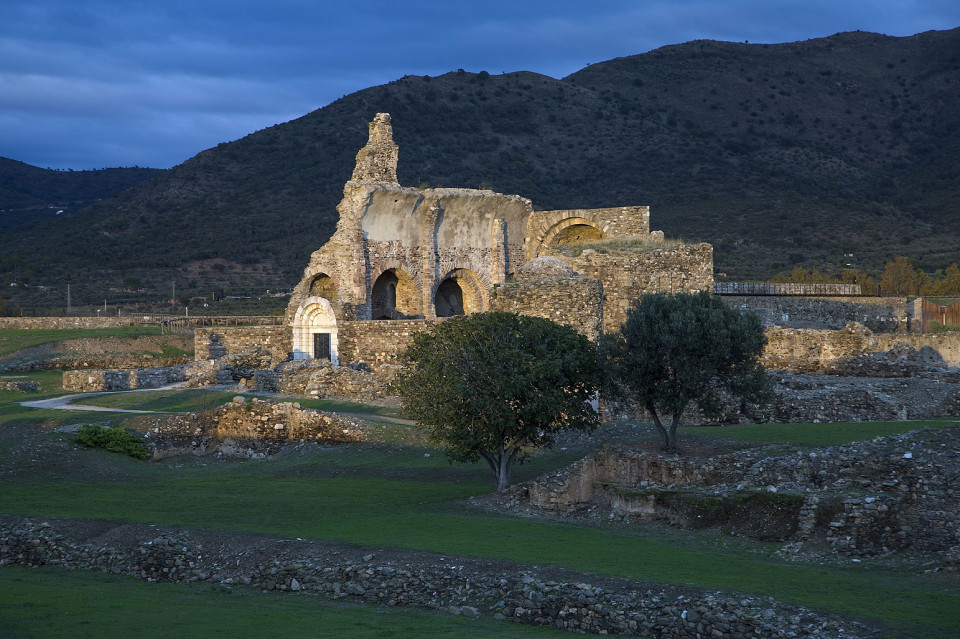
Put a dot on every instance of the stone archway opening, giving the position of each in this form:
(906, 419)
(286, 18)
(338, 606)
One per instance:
(322, 286)
(315, 331)
(449, 298)
(459, 293)
(394, 296)
(576, 234)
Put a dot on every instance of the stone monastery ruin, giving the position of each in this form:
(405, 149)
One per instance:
(402, 257)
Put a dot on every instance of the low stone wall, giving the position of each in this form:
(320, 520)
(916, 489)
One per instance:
(574, 302)
(465, 587)
(19, 387)
(320, 379)
(64, 322)
(86, 381)
(214, 343)
(378, 343)
(864, 499)
(803, 350)
(879, 314)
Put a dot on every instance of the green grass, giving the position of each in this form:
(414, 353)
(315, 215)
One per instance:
(32, 604)
(403, 496)
(12, 340)
(418, 515)
(828, 434)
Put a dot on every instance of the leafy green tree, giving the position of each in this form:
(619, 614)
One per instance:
(676, 349)
(498, 385)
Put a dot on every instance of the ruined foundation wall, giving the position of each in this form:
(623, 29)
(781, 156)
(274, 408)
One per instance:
(378, 343)
(879, 314)
(625, 278)
(214, 343)
(574, 302)
(63, 322)
(807, 350)
(119, 380)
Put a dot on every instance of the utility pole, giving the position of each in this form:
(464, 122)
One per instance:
(68, 299)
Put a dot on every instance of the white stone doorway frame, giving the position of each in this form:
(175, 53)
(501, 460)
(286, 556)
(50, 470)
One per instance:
(315, 315)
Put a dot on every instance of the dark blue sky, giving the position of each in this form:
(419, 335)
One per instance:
(98, 83)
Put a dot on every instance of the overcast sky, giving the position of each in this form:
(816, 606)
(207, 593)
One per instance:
(102, 83)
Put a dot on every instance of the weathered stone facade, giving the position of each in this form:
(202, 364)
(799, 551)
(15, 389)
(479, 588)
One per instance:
(401, 253)
(214, 343)
(379, 343)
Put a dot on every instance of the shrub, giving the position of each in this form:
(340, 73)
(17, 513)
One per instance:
(114, 440)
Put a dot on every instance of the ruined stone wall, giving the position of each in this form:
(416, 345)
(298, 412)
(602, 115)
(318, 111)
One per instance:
(214, 343)
(879, 314)
(625, 278)
(865, 498)
(576, 302)
(63, 322)
(612, 222)
(809, 350)
(378, 343)
(120, 380)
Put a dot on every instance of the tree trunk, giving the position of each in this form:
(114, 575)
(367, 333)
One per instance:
(501, 463)
(672, 440)
(664, 436)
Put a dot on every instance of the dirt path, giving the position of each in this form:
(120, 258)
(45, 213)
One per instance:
(65, 402)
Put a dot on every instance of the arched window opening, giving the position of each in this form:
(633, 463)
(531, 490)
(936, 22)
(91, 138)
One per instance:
(576, 234)
(322, 286)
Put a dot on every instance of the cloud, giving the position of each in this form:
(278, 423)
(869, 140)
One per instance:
(107, 82)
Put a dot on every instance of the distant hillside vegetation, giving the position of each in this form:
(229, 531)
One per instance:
(29, 194)
(780, 155)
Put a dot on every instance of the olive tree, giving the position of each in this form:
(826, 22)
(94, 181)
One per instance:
(497, 386)
(676, 349)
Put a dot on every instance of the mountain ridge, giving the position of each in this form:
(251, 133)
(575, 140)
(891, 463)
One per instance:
(778, 154)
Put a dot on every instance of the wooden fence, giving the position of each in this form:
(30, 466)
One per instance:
(934, 313)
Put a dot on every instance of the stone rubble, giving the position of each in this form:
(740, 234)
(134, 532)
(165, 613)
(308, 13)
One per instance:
(247, 428)
(865, 499)
(457, 586)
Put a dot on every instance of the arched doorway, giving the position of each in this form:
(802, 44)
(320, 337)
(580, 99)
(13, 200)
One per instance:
(460, 293)
(394, 296)
(315, 331)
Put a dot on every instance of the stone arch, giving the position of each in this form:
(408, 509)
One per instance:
(322, 285)
(459, 293)
(315, 326)
(570, 231)
(394, 295)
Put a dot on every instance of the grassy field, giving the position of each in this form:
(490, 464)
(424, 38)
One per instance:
(395, 495)
(102, 606)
